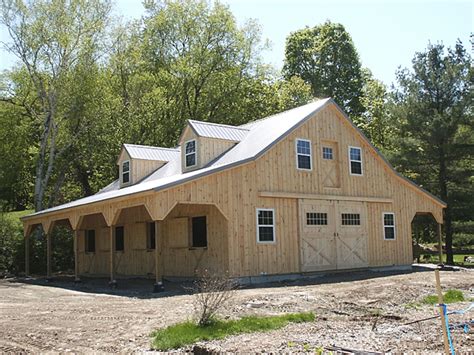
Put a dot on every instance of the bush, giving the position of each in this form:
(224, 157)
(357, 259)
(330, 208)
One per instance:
(11, 246)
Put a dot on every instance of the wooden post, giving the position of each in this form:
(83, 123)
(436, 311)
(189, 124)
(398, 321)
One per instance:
(443, 319)
(157, 259)
(112, 254)
(440, 242)
(76, 255)
(27, 255)
(48, 255)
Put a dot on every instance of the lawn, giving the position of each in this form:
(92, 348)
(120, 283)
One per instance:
(458, 259)
(186, 333)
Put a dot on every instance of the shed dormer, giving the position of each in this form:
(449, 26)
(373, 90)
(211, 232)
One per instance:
(138, 161)
(202, 142)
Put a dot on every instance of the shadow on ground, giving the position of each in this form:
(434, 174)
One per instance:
(143, 288)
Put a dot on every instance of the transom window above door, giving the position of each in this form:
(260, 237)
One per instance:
(350, 219)
(316, 219)
(327, 153)
(303, 154)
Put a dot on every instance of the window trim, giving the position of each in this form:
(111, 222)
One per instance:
(332, 152)
(394, 226)
(310, 154)
(265, 225)
(357, 161)
(186, 154)
(126, 172)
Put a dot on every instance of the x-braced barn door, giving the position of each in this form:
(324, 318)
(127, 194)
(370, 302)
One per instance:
(333, 235)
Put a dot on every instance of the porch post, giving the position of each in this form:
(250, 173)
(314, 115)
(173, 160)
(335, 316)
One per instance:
(440, 242)
(158, 270)
(113, 283)
(76, 254)
(27, 254)
(48, 255)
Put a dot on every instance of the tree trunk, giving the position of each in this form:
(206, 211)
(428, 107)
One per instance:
(443, 188)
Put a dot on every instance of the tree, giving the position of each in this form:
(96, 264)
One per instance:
(50, 38)
(433, 109)
(325, 57)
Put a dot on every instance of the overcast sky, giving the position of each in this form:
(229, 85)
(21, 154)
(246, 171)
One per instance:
(386, 33)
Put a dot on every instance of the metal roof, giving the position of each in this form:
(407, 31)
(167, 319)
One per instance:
(146, 152)
(259, 137)
(220, 131)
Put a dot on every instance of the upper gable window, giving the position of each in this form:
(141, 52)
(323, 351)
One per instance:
(303, 154)
(327, 153)
(126, 172)
(355, 160)
(190, 153)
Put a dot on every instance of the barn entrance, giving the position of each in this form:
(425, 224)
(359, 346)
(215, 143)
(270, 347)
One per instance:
(333, 235)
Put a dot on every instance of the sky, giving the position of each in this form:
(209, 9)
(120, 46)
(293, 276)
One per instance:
(386, 34)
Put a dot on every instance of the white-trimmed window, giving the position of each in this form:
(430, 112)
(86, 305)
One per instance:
(327, 153)
(190, 153)
(126, 172)
(355, 160)
(389, 226)
(265, 225)
(303, 154)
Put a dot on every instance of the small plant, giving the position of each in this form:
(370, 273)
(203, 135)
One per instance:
(306, 347)
(291, 344)
(212, 292)
(451, 296)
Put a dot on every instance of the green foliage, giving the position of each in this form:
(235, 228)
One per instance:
(11, 244)
(186, 333)
(450, 296)
(325, 57)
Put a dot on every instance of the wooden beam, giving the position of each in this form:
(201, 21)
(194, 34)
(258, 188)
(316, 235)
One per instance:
(158, 274)
(296, 195)
(112, 252)
(76, 255)
(48, 255)
(440, 242)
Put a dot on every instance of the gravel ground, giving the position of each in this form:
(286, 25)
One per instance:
(360, 311)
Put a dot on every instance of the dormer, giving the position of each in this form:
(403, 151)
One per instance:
(203, 142)
(136, 162)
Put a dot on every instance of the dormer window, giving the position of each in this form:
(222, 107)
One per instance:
(190, 153)
(126, 172)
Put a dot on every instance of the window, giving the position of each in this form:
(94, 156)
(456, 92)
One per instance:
(150, 236)
(265, 225)
(350, 219)
(90, 241)
(119, 239)
(355, 160)
(316, 219)
(125, 172)
(327, 153)
(190, 153)
(199, 232)
(303, 154)
(389, 226)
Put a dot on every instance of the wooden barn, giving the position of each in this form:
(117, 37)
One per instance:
(298, 192)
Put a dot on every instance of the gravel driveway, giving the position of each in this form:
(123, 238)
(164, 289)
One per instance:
(361, 311)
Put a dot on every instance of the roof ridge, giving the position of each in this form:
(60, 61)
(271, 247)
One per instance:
(151, 147)
(219, 124)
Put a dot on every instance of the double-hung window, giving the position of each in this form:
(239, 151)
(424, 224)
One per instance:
(265, 225)
(303, 154)
(355, 160)
(126, 172)
(389, 226)
(190, 153)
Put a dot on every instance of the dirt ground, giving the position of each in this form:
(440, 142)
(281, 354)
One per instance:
(360, 311)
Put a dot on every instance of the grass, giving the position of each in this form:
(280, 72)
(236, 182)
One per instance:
(186, 333)
(450, 296)
(458, 259)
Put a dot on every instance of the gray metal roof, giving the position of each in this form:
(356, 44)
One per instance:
(146, 152)
(259, 137)
(220, 131)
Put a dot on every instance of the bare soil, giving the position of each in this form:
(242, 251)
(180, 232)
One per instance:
(360, 311)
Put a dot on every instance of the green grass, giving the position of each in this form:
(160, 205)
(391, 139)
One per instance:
(186, 333)
(451, 296)
(458, 259)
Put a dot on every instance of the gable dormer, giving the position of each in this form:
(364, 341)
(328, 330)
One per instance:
(202, 142)
(136, 162)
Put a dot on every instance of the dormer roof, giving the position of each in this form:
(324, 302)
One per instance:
(218, 131)
(145, 152)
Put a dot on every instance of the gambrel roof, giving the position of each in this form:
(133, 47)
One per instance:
(252, 141)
